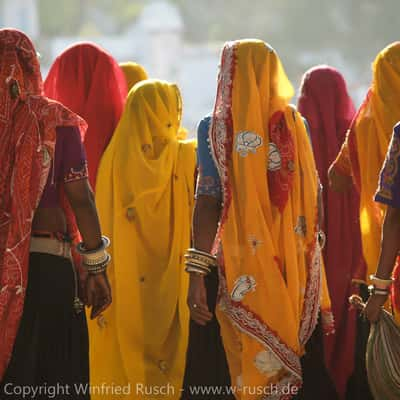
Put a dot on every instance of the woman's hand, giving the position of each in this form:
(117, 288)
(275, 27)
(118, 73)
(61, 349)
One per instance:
(98, 293)
(374, 306)
(197, 300)
(337, 182)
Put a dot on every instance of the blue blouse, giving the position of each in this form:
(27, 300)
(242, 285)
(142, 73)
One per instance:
(389, 181)
(208, 181)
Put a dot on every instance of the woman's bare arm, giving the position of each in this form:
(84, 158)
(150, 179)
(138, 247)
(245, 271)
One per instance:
(390, 245)
(81, 198)
(205, 222)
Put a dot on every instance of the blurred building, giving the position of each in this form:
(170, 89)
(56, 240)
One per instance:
(21, 14)
(156, 40)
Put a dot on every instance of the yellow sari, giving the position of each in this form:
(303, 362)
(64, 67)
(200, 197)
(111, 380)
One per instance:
(145, 199)
(364, 150)
(269, 257)
(133, 72)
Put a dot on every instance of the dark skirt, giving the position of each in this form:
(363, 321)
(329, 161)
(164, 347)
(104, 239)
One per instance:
(317, 383)
(206, 364)
(358, 387)
(51, 352)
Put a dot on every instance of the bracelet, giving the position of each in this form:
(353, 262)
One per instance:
(192, 270)
(199, 263)
(321, 239)
(381, 283)
(95, 259)
(105, 243)
(206, 258)
(380, 292)
(197, 267)
(97, 269)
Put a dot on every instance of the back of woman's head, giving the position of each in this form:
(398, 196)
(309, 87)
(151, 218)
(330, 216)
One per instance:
(86, 78)
(133, 72)
(152, 114)
(19, 65)
(324, 97)
(386, 71)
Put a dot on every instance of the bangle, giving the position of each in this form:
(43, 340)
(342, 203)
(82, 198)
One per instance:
(202, 256)
(96, 258)
(95, 261)
(381, 283)
(101, 267)
(193, 270)
(198, 267)
(321, 239)
(199, 262)
(105, 243)
(381, 292)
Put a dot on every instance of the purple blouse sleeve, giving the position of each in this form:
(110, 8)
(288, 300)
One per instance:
(74, 164)
(389, 182)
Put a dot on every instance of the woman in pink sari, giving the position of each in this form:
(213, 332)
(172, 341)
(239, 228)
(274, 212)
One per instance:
(329, 110)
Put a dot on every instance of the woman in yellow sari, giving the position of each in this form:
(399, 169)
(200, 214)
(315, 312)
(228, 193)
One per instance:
(259, 215)
(145, 191)
(133, 72)
(364, 150)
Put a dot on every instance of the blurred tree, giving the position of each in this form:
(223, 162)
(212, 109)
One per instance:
(62, 17)
(357, 29)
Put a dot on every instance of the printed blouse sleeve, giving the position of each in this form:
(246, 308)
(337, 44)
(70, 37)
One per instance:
(208, 181)
(74, 164)
(389, 181)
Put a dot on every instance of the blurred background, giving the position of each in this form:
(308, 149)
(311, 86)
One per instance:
(180, 40)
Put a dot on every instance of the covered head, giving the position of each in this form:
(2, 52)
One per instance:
(89, 81)
(133, 72)
(19, 66)
(328, 108)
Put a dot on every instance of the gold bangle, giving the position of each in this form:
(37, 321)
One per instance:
(197, 266)
(193, 270)
(206, 257)
(201, 263)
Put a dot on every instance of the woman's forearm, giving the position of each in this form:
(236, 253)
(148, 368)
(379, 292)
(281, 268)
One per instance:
(205, 222)
(88, 224)
(390, 243)
(82, 202)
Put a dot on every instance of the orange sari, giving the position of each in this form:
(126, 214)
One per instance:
(269, 256)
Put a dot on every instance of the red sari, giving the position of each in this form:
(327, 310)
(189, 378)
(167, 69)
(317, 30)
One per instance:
(327, 107)
(28, 122)
(90, 82)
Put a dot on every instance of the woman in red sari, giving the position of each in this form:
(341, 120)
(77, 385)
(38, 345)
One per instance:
(329, 110)
(90, 82)
(44, 197)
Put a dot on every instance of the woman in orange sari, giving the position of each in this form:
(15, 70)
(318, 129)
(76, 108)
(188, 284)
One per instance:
(360, 161)
(363, 153)
(258, 217)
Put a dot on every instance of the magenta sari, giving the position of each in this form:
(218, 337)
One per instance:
(329, 110)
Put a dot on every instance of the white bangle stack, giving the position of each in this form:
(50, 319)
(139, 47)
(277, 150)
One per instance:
(95, 261)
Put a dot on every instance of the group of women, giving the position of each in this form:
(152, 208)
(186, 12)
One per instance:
(248, 301)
